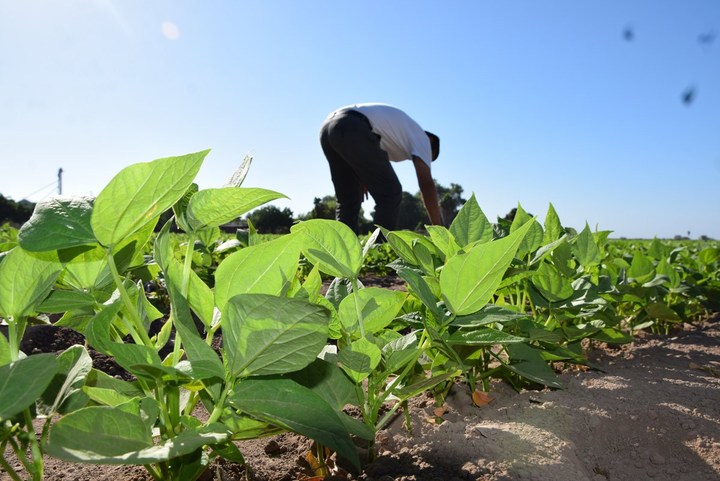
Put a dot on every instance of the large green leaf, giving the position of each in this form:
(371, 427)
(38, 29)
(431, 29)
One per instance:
(373, 306)
(25, 280)
(286, 403)
(215, 207)
(107, 435)
(471, 225)
(266, 334)
(58, 223)
(23, 381)
(139, 193)
(332, 246)
(468, 281)
(267, 268)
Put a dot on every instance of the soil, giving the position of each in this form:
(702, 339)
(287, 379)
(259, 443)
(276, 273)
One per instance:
(651, 412)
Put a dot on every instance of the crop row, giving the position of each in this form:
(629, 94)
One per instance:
(480, 303)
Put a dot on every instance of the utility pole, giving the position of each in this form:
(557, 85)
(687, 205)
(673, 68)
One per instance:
(60, 171)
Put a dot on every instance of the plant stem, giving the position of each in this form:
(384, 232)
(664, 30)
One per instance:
(137, 331)
(36, 452)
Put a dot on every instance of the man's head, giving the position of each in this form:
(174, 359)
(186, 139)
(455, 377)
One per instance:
(434, 144)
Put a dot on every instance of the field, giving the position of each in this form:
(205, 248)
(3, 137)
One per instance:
(476, 351)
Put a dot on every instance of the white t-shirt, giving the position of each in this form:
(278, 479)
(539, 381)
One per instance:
(400, 136)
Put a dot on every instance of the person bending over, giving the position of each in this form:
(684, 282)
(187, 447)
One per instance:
(359, 141)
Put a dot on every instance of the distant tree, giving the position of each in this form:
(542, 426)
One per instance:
(412, 213)
(15, 212)
(271, 220)
(451, 200)
(323, 208)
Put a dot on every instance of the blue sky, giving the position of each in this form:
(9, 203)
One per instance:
(535, 102)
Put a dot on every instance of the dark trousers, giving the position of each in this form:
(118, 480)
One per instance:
(356, 160)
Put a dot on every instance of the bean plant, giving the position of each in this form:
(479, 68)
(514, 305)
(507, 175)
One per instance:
(247, 331)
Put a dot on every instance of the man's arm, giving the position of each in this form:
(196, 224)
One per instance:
(428, 191)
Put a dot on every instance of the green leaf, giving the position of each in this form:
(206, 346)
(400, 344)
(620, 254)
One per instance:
(138, 194)
(199, 296)
(74, 365)
(87, 270)
(332, 246)
(709, 255)
(413, 390)
(443, 240)
(471, 225)
(665, 269)
(376, 307)
(533, 238)
(266, 268)
(106, 435)
(96, 434)
(398, 353)
(215, 207)
(402, 243)
(25, 280)
(662, 312)
(529, 363)
(585, 249)
(419, 286)
(483, 336)
(468, 281)
(266, 334)
(641, 268)
(551, 284)
(140, 360)
(203, 359)
(180, 208)
(107, 390)
(489, 314)
(553, 228)
(58, 223)
(360, 358)
(286, 403)
(60, 301)
(5, 356)
(23, 381)
(328, 381)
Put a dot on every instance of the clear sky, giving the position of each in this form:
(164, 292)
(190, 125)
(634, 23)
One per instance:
(578, 103)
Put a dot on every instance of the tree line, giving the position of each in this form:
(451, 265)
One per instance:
(16, 213)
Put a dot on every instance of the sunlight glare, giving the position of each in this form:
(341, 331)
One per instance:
(170, 30)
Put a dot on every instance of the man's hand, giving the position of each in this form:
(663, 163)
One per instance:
(428, 191)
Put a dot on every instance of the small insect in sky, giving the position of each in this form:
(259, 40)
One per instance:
(628, 34)
(689, 95)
